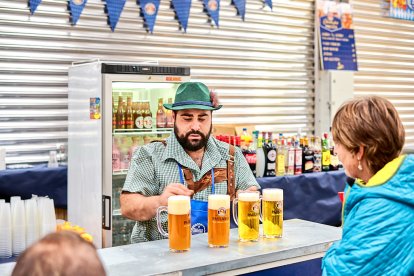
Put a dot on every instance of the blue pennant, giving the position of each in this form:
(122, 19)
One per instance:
(182, 10)
(269, 3)
(76, 8)
(114, 9)
(240, 6)
(33, 5)
(149, 10)
(213, 9)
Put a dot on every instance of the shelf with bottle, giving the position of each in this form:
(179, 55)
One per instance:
(140, 131)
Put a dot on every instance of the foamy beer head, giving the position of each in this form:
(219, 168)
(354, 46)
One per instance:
(248, 196)
(216, 202)
(272, 194)
(178, 205)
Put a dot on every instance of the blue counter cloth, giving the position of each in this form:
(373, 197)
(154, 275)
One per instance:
(311, 196)
(39, 180)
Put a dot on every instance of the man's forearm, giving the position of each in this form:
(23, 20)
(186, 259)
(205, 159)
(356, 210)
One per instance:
(138, 207)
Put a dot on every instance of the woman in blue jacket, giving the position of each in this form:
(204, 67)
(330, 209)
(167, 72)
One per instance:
(378, 210)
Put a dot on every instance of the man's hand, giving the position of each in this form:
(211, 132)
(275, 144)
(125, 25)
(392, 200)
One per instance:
(173, 189)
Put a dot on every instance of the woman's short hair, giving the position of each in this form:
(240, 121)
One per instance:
(59, 254)
(371, 122)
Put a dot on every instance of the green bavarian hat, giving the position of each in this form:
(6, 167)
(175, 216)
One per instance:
(192, 95)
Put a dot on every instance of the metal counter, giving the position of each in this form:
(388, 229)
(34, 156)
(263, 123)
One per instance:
(302, 240)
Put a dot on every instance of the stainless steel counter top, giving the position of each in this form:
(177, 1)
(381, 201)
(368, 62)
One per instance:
(302, 240)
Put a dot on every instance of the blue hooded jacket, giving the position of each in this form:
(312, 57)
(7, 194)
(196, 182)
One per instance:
(378, 225)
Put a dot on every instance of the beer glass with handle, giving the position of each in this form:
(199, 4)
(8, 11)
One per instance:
(248, 213)
(179, 222)
(272, 211)
(218, 220)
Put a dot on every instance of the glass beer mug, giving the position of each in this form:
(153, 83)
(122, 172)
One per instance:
(179, 223)
(272, 211)
(218, 220)
(248, 214)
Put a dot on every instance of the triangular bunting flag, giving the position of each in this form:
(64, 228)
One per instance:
(149, 11)
(240, 6)
(212, 7)
(33, 5)
(182, 11)
(75, 9)
(114, 9)
(269, 3)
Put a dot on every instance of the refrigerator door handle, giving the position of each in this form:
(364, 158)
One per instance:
(106, 212)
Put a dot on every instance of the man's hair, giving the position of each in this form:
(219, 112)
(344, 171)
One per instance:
(371, 122)
(59, 254)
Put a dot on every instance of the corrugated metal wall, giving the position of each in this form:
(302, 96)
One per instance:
(385, 48)
(262, 68)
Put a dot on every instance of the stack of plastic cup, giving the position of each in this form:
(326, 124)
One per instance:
(18, 217)
(46, 216)
(5, 230)
(32, 222)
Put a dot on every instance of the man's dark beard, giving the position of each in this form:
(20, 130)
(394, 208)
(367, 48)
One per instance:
(187, 145)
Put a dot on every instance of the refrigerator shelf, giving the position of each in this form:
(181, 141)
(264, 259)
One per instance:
(135, 131)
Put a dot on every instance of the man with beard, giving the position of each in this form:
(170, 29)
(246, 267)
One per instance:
(183, 164)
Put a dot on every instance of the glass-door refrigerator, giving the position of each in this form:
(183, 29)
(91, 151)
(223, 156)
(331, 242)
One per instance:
(113, 109)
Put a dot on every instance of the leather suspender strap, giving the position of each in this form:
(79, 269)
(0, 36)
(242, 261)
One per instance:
(218, 176)
(231, 186)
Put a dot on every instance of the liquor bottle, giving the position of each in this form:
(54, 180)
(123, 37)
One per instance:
(307, 161)
(280, 153)
(147, 116)
(116, 156)
(120, 115)
(334, 158)
(260, 157)
(317, 155)
(244, 140)
(169, 116)
(326, 153)
(298, 158)
(129, 116)
(250, 155)
(113, 114)
(270, 155)
(139, 120)
(161, 119)
(290, 159)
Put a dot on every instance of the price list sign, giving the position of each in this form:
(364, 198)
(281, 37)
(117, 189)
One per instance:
(336, 36)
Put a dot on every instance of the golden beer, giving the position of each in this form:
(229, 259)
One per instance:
(218, 220)
(248, 216)
(179, 223)
(272, 213)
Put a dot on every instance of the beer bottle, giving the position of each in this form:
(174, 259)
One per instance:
(113, 114)
(169, 116)
(139, 120)
(160, 118)
(129, 116)
(147, 116)
(135, 112)
(120, 115)
(326, 153)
